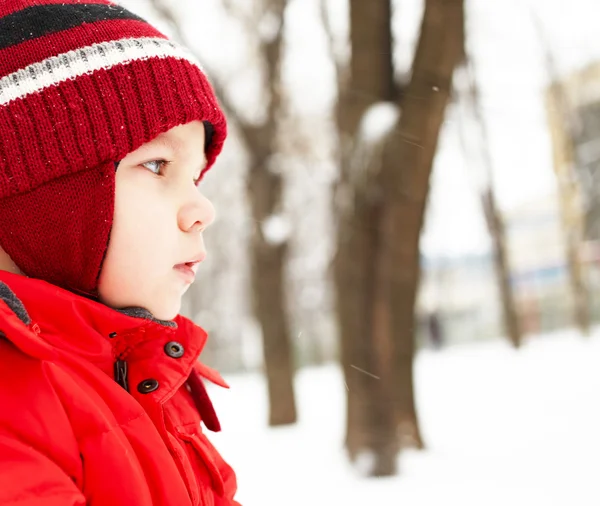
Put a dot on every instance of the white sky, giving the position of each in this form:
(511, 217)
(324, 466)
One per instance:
(511, 69)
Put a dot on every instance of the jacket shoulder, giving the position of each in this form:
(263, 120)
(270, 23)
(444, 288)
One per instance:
(32, 411)
(38, 464)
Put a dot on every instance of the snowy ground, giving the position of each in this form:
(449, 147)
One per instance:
(502, 428)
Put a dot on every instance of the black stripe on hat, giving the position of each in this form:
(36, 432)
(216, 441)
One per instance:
(40, 20)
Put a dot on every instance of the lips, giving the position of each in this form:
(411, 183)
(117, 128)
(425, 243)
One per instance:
(188, 269)
(196, 259)
(188, 273)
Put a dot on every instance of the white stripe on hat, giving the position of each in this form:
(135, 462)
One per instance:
(52, 71)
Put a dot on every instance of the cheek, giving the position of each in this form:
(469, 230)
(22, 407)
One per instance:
(139, 244)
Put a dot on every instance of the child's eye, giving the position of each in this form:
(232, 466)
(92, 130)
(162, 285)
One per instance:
(155, 165)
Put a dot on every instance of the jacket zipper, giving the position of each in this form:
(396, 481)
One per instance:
(120, 368)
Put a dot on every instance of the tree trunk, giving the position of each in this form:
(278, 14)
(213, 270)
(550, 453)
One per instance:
(268, 287)
(363, 303)
(362, 300)
(268, 259)
(501, 265)
(382, 205)
(411, 151)
(494, 221)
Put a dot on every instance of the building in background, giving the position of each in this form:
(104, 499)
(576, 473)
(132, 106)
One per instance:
(573, 111)
(576, 100)
(462, 290)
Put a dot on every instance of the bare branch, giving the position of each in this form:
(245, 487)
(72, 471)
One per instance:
(271, 49)
(326, 21)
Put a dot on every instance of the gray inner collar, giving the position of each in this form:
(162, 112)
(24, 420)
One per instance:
(15, 304)
(139, 312)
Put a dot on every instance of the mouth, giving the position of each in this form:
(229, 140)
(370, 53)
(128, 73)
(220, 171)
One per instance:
(189, 269)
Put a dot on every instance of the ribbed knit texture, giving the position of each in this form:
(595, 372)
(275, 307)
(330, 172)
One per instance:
(82, 85)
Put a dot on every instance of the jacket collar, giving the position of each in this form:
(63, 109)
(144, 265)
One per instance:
(51, 319)
(48, 322)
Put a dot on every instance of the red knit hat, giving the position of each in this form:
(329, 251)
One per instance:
(82, 83)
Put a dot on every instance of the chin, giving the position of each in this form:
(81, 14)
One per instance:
(163, 304)
(166, 311)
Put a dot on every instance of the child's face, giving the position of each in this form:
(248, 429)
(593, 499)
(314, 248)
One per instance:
(159, 219)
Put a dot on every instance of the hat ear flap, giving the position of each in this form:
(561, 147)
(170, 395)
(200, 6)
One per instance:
(59, 231)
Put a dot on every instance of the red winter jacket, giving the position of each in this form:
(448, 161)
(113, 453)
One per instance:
(72, 434)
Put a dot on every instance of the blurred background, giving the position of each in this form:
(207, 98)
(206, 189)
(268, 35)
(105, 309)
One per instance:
(403, 283)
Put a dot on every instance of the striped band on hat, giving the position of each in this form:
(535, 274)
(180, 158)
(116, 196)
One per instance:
(56, 69)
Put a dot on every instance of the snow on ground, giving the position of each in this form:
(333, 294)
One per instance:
(502, 428)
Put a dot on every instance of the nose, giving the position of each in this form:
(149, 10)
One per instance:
(196, 215)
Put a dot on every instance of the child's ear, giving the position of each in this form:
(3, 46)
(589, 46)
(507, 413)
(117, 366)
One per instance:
(209, 131)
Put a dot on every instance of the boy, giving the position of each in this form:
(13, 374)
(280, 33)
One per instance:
(106, 128)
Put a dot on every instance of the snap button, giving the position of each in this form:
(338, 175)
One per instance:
(174, 349)
(147, 386)
(112, 335)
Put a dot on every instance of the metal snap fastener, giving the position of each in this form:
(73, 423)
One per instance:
(147, 386)
(174, 349)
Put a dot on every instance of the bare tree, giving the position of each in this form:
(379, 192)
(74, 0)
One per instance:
(471, 103)
(381, 200)
(264, 186)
